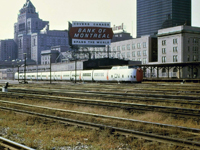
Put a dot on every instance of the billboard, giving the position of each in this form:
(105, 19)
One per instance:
(90, 33)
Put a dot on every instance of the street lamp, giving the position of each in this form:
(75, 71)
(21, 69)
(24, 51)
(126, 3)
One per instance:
(13, 62)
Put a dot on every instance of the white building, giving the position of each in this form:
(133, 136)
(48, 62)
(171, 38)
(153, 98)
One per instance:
(179, 44)
(142, 49)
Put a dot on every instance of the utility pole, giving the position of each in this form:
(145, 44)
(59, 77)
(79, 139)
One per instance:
(24, 68)
(50, 68)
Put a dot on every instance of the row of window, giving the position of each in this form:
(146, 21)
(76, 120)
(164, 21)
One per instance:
(52, 42)
(194, 58)
(175, 49)
(174, 42)
(195, 49)
(134, 54)
(128, 46)
(194, 41)
(175, 58)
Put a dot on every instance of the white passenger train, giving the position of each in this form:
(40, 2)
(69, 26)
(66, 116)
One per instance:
(118, 73)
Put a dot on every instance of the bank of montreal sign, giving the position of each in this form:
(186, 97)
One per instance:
(90, 33)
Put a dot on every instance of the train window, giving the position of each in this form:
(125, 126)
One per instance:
(99, 74)
(86, 74)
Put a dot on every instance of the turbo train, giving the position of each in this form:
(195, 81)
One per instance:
(115, 74)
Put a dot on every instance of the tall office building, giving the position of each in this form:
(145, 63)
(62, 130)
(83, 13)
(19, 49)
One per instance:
(153, 15)
(32, 34)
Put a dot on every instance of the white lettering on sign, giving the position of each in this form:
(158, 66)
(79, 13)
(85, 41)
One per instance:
(90, 42)
(91, 33)
(90, 24)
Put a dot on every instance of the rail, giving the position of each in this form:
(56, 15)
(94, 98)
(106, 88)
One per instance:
(13, 145)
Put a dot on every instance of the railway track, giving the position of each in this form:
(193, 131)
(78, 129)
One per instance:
(126, 93)
(113, 129)
(186, 112)
(183, 100)
(121, 98)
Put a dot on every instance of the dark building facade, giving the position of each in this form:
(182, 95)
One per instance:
(153, 15)
(121, 36)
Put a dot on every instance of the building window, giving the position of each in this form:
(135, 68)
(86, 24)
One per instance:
(118, 48)
(20, 43)
(195, 40)
(59, 41)
(133, 46)
(163, 42)
(195, 58)
(133, 54)
(163, 59)
(139, 59)
(188, 48)
(174, 41)
(123, 47)
(144, 60)
(144, 45)
(138, 53)
(163, 50)
(118, 55)
(114, 48)
(175, 49)
(195, 49)
(123, 55)
(138, 45)
(34, 42)
(128, 54)
(188, 58)
(144, 53)
(128, 46)
(175, 58)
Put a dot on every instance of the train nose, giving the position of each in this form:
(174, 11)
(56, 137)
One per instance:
(139, 75)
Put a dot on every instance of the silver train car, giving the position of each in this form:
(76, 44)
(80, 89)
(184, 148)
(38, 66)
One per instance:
(115, 74)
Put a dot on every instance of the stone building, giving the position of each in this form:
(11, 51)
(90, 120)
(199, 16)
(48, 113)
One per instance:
(179, 44)
(32, 34)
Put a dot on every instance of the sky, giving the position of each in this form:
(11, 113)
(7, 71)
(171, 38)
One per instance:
(59, 12)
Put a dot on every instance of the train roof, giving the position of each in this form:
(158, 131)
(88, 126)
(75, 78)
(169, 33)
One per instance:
(123, 67)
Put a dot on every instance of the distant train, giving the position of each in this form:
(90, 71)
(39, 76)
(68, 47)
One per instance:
(115, 74)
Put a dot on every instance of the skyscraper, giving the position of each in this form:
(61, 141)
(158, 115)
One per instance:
(153, 15)
(32, 34)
